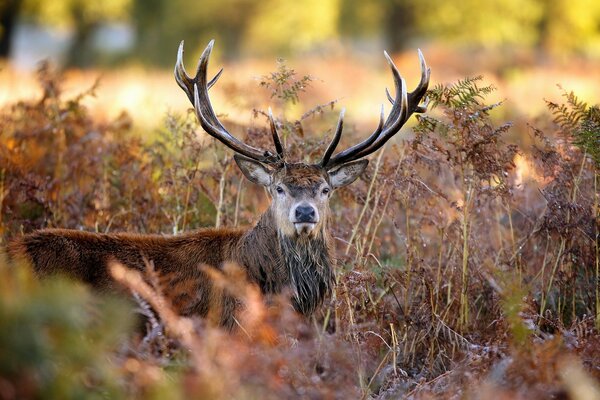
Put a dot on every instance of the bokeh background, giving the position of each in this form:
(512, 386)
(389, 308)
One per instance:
(468, 253)
(524, 48)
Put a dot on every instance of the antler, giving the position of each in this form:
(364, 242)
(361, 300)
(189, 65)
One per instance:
(196, 90)
(403, 106)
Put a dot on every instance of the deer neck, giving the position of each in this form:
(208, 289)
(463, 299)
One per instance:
(276, 261)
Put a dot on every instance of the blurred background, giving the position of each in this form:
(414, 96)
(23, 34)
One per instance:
(524, 48)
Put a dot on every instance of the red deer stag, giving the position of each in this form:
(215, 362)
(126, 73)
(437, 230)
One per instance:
(288, 247)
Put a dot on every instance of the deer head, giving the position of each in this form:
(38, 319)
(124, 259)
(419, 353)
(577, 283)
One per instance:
(300, 192)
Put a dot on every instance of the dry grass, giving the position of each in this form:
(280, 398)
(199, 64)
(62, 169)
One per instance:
(468, 261)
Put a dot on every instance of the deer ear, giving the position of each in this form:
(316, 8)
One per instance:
(347, 173)
(253, 170)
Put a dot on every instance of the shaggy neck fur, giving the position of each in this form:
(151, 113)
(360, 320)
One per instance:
(275, 260)
(308, 265)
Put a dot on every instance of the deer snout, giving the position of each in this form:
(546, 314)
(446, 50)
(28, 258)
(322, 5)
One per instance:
(306, 213)
(305, 218)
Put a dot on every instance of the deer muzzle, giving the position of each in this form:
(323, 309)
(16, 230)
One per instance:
(305, 217)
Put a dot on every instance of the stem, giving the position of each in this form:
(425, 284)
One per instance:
(464, 304)
(238, 199)
(368, 199)
(187, 196)
(186, 205)
(379, 367)
(379, 221)
(2, 195)
(438, 279)
(221, 203)
(60, 149)
(544, 263)
(514, 246)
(597, 289)
(367, 230)
(558, 257)
(394, 348)
(407, 294)
(384, 208)
(563, 242)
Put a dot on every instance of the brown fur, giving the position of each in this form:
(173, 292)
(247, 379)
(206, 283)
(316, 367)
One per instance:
(178, 261)
(274, 254)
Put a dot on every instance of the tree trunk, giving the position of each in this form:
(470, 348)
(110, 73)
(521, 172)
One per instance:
(399, 25)
(9, 12)
(81, 53)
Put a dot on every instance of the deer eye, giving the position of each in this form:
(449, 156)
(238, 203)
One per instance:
(279, 190)
(326, 191)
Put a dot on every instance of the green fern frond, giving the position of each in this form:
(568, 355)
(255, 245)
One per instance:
(569, 114)
(580, 121)
(587, 134)
(466, 93)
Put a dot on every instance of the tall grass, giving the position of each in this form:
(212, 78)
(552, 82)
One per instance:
(467, 266)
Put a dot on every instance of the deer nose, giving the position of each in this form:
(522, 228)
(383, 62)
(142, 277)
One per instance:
(305, 213)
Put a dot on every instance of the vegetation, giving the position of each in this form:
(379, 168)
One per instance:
(58, 339)
(468, 264)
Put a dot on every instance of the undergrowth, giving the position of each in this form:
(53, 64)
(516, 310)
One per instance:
(468, 266)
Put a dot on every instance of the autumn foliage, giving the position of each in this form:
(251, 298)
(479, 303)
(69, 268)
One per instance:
(468, 258)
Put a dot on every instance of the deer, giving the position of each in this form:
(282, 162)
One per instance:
(288, 248)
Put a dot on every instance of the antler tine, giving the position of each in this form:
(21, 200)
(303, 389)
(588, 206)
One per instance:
(186, 82)
(398, 108)
(421, 108)
(335, 140)
(425, 75)
(390, 123)
(398, 116)
(403, 106)
(275, 134)
(421, 89)
(201, 81)
(389, 96)
(198, 88)
(202, 107)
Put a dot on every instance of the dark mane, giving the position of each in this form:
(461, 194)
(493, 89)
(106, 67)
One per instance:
(309, 268)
